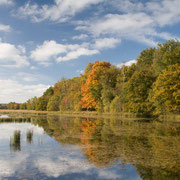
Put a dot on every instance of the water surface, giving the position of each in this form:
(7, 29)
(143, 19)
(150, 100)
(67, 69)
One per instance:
(55, 147)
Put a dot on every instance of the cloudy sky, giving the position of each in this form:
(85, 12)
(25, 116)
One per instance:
(43, 41)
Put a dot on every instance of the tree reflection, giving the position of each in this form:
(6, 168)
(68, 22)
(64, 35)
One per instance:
(153, 147)
(15, 141)
(29, 136)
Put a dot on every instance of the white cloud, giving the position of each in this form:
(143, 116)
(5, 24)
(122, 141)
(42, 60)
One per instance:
(12, 90)
(165, 12)
(10, 166)
(118, 24)
(77, 53)
(6, 2)
(135, 21)
(127, 26)
(12, 56)
(5, 28)
(80, 37)
(61, 11)
(50, 50)
(7, 130)
(31, 77)
(66, 164)
(62, 165)
(126, 63)
(126, 6)
(33, 68)
(105, 174)
(104, 43)
(13, 163)
(80, 71)
(27, 77)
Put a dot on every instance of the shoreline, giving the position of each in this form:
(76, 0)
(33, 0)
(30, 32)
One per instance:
(93, 114)
(83, 114)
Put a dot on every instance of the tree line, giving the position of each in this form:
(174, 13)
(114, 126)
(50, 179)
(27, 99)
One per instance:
(150, 87)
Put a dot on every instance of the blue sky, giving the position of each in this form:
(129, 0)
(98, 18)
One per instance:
(43, 41)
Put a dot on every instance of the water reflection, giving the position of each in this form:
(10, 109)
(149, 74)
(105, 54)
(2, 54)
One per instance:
(153, 148)
(29, 136)
(15, 141)
(81, 148)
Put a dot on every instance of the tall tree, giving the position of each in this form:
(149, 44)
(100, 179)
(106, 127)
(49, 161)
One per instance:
(166, 54)
(166, 91)
(91, 90)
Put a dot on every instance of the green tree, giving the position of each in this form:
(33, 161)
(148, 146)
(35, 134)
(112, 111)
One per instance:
(146, 57)
(166, 54)
(166, 91)
(91, 90)
(137, 91)
(53, 104)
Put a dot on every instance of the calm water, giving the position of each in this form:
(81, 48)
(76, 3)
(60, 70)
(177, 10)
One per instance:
(53, 147)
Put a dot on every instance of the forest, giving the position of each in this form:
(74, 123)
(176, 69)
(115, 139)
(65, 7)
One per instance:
(149, 87)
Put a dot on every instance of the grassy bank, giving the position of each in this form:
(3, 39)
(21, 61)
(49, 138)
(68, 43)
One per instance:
(90, 114)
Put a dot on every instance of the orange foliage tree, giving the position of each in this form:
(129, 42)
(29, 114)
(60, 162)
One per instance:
(91, 89)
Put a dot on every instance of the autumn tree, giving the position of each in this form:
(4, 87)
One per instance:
(91, 90)
(53, 103)
(166, 54)
(166, 91)
(42, 101)
(118, 104)
(145, 58)
(137, 91)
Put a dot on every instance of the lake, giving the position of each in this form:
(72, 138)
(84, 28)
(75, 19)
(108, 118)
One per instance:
(57, 147)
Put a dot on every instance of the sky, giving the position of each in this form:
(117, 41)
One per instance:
(42, 41)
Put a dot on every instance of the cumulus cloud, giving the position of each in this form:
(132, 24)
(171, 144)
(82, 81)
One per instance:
(127, 26)
(80, 37)
(12, 90)
(12, 56)
(127, 6)
(126, 63)
(5, 28)
(133, 20)
(50, 50)
(61, 11)
(6, 2)
(77, 53)
(164, 12)
(104, 43)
